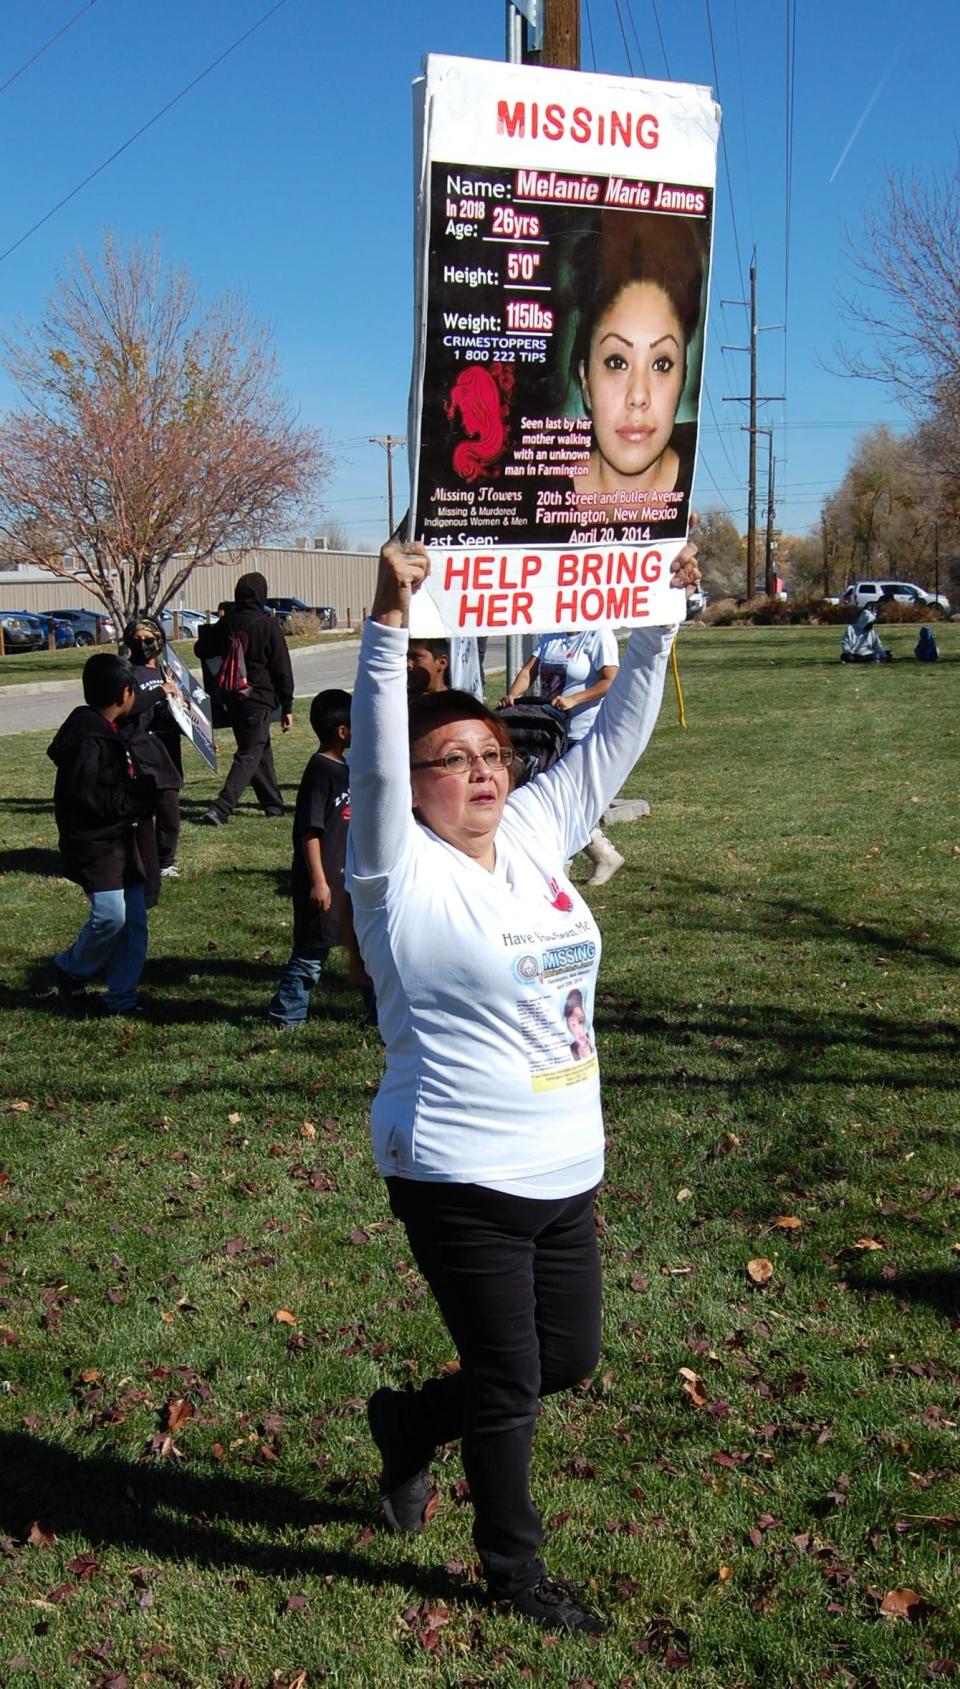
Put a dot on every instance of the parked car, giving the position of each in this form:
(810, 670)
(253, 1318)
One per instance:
(90, 627)
(868, 594)
(21, 632)
(63, 633)
(191, 621)
(284, 608)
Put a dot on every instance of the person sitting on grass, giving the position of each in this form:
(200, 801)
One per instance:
(99, 796)
(861, 641)
(319, 850)
(926, 649)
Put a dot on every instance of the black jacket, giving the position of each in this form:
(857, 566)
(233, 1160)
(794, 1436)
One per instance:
(152, 733)
(268, 661)
(98, 797)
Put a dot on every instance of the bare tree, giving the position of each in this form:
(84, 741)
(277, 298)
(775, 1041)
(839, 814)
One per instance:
(152, 433)
(907, 261)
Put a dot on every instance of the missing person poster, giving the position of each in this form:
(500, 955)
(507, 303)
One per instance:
(563, 249)
(190, 707)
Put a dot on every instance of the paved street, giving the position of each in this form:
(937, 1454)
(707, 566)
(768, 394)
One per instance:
(23, 708)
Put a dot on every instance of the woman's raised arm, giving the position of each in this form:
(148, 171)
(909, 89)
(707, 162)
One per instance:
(380, 814)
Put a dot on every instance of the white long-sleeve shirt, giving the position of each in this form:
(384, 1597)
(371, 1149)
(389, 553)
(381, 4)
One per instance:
(474, 970)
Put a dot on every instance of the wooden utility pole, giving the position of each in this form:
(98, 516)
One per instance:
(388, 441)
(753, 399)
(555, 25)
(561, 34)
(768, 559)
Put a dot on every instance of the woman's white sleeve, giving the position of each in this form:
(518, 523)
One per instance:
(380, 812)
(600, 762)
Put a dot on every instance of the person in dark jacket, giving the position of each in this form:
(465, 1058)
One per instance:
(270, 679)
(155, 742)
(99, 796)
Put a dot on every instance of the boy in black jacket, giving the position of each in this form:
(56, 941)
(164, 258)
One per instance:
(98, 798)
(319, 852)
(270, 678)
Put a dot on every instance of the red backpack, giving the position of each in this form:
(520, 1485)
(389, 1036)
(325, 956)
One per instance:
(231, 681)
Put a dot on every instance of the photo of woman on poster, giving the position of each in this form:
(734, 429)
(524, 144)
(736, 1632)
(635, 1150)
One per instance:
(575, 1016)
(639, 292)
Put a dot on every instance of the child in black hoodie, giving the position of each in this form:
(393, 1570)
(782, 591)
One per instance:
(98, 798)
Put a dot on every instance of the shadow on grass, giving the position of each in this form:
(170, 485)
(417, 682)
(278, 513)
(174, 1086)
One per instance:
(173, 1513)
(939, 1288)
(797, 1043)
(32, 860)
(253, 982)
(696, 905)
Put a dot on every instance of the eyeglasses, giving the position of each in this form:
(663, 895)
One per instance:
(460, 762)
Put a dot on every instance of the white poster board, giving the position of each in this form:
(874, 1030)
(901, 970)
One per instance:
(564, 225)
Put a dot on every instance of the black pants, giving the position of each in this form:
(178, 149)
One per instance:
(518, 1285)
(253, 762)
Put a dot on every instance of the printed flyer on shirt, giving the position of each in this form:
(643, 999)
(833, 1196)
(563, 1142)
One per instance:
(564, 226)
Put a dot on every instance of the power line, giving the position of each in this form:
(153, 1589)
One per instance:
(593, 50)
(723, 149)
(663, 45)
(636, 37)
(743, 109)
(626, 44)
(143, 129)
(48, 43)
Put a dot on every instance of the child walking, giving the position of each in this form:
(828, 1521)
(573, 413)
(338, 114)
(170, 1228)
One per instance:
(319, 849)
(99, 796)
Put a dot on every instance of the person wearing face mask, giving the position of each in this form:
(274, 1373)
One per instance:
(151, 714)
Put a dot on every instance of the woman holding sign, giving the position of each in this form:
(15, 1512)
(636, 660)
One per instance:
(488, 1134)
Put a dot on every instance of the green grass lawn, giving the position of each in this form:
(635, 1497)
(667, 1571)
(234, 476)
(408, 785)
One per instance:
(32, 667)
(778, 1036)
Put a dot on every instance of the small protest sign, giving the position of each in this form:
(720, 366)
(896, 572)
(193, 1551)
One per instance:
(190, 707)
(564, 227)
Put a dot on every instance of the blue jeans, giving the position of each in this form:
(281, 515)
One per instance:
(291, 1001)
(112, 941)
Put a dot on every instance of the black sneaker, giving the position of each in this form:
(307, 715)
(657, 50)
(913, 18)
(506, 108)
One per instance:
(210, 818)
(71, 990)
(408, 1499)
(552, 1604)
(274, 814)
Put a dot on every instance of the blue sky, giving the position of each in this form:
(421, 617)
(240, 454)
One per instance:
(287, 173)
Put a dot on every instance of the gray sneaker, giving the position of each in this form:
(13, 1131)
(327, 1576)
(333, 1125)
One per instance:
(408, 1498)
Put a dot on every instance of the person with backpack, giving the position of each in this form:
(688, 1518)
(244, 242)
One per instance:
(254, 678)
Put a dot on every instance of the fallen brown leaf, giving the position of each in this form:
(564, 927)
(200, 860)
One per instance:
(179, 1410)
(788, 1223)
(41, 1536)
(868, 1243)
(901, 1604)
(694, 1387)
(284, 1316)
(760, 1270)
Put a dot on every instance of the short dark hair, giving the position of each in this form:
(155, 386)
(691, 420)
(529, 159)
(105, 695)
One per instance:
(428, 710)
(329, 711)
(436, 647)
(105, 679)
